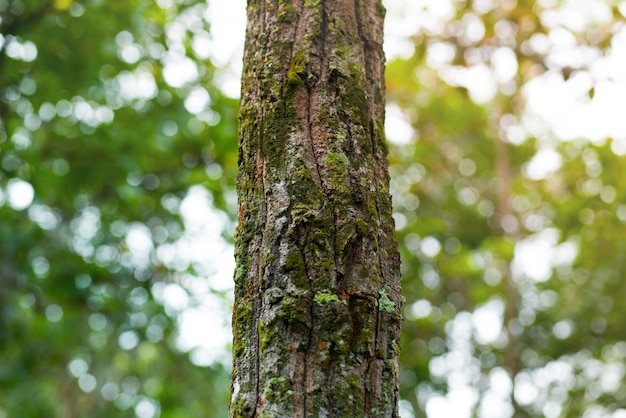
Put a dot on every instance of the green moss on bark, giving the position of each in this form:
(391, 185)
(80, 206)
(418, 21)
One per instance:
(296, 72)
(325, 296)
(305, 193)
(287, 12)
(384, 303)
(355, 98)
(280, 123)
(294, 311)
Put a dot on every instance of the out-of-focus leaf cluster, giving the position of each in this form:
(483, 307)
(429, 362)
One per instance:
(513, 275)
(102, 134)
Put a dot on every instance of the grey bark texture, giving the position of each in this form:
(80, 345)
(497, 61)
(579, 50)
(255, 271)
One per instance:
(317, 311)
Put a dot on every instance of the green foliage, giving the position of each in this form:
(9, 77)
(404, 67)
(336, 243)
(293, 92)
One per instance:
(88, 120)
(468, 210)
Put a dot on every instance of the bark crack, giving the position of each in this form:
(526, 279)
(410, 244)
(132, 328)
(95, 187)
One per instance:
(258, 303)
(258, 299)
(301, 244)
(302, 240)
(359, 23)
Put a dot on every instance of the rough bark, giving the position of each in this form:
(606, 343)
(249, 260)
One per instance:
(317, 305)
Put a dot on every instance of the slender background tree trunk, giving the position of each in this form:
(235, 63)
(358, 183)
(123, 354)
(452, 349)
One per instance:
(317, 305)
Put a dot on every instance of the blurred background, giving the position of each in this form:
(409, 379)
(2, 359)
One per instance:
(118, 145)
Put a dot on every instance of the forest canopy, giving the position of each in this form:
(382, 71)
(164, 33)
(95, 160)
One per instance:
(118, 149)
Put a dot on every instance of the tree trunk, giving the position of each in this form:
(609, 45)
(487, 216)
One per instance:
(511, 313)
(317, 310)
